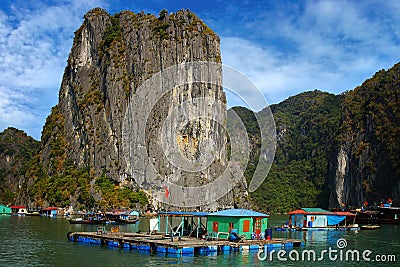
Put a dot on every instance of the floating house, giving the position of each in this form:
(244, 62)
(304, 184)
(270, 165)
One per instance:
(317, 218)
(50, 212)
(122, 216)
(378, 215)
(19, 210)
(182, 223)
(5, 210)
(247, 224)
(131, 216)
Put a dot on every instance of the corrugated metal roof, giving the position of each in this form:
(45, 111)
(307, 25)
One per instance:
(183, 213)
(312, 211)
(238, 213)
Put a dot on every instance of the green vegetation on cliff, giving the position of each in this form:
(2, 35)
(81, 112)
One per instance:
(370, 132)
(307, 125)
(60, 182)
(16, 152)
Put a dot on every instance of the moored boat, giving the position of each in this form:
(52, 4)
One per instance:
(88, 218)
(370, 227)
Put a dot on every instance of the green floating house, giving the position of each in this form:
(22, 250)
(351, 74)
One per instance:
(246, 223)
(4, 210)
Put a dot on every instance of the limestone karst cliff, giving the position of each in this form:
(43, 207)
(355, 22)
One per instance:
(367, 162)
(111, 57)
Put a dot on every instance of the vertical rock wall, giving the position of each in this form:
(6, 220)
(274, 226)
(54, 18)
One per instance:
(367, 166)
(110, 58)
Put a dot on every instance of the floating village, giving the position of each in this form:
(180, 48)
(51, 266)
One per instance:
(191, 233)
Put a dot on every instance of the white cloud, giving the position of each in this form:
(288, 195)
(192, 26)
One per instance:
(33, 53)
(277, 78)
(328, 45)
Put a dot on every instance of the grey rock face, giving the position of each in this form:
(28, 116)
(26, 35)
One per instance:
(111, 57)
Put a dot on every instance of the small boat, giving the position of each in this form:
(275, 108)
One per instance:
(370, 227)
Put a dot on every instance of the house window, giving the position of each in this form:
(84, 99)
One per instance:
(231, 226)
(215, 226)
(257, 225)
(246, 226)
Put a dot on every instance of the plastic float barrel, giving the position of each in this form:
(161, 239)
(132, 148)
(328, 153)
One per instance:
(212, 248)
(225, 248)
(161, 249)
(174, 250)
(233, 235)
(188, 250)
(268, 233)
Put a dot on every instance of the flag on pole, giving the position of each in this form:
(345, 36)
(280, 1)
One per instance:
(166, 191)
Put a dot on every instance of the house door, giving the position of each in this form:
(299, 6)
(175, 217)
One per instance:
(257, 226)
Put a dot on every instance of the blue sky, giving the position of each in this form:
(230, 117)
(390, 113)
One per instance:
(285, 47)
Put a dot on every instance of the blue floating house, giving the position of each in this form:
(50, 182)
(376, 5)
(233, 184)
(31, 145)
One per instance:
(5, 210)
(317, 218)
(50, 212)
(245, 223)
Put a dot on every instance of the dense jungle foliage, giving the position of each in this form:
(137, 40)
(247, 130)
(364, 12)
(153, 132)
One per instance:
(306, 125)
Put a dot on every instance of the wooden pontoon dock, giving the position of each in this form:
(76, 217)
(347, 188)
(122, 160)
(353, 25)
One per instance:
(175, 245)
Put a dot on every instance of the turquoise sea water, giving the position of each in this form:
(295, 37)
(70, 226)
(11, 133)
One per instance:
(38, 241)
